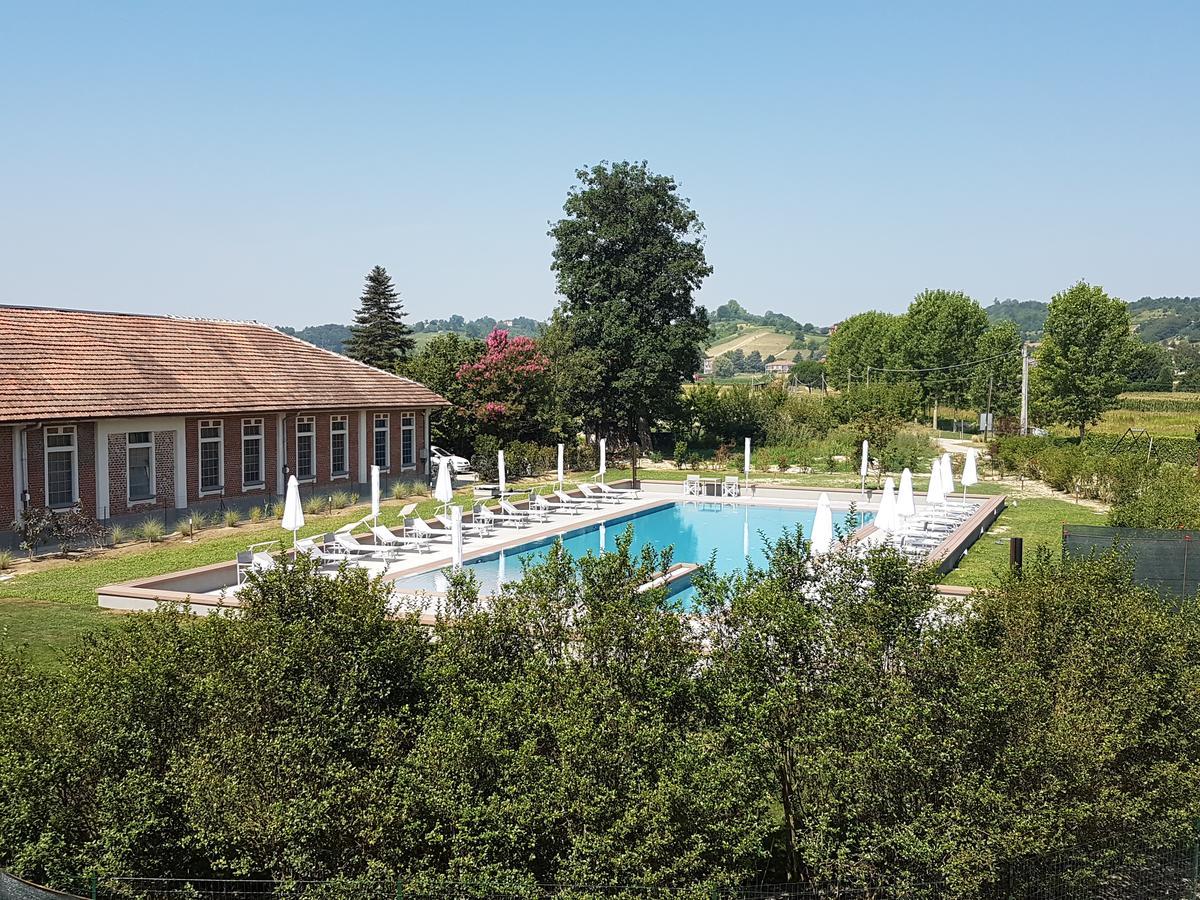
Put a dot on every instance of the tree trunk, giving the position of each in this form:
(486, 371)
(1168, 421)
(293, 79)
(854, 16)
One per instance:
(1082, 430)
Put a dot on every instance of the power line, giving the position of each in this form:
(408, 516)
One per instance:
(974, 362)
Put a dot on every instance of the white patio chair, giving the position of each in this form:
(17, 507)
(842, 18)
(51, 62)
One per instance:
(388, 539)
(692, 486)
(630, 493)
(731, 486)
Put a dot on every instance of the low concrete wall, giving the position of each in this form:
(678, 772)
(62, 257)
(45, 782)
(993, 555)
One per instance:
(14, 888)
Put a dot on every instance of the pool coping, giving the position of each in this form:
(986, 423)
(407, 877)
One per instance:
(148, 593)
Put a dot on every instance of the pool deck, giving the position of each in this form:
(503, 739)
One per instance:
(212, 589)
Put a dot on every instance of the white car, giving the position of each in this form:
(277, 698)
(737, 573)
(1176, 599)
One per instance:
(458, 465)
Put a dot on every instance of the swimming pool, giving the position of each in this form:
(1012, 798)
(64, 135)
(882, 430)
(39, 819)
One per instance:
(695, 529)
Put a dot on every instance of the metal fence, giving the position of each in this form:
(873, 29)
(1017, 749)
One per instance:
(1099, 874)
(1166, 560)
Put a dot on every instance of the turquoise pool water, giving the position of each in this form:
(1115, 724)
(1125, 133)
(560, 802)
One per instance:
(694, 529)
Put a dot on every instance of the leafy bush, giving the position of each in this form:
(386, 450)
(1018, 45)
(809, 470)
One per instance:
(118, 534)
(681, 453)
(256, 514)
(1168, 497)
(277, 509)
(232, 518)
(33, 528)
(315, 506)
(150, 529)
(906, 450)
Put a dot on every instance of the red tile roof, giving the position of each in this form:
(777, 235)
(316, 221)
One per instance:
(68, 364)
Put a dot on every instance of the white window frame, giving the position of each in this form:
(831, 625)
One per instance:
(261, 484)
(311, 434)
(130, 500)
(73, 450)
(219, 440)
(408, 430)
(344, 421)
(386, 431)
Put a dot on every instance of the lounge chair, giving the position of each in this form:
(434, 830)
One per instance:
(597, 495)
(553, 506)
(581, 502)
(631, 493)
(385, 537)
(348, 548)
(470, 528)
(419, 528)
(494, 519)
(533, 515)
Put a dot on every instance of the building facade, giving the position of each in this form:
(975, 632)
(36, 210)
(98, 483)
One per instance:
(126, 416)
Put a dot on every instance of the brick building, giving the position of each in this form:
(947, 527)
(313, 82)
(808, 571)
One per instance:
(127, 415)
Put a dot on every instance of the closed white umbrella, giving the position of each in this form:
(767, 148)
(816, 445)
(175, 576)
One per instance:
(746, 531)
(947, 475)
(905, 504)
(500, 572)
(885, 519)
(375, 493)
(862, 467)
(933, 494)
(822, 534)
(746, 461)
(443, 491)
(560, 465)
(293, 510)
(456, 537)
(602, 536)
(969, 476)
(500, 466)
(603, 460)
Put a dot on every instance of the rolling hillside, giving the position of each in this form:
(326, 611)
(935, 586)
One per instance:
(767, 341)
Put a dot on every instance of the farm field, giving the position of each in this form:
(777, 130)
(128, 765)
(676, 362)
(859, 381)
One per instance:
(1161, 414)
(767, 341)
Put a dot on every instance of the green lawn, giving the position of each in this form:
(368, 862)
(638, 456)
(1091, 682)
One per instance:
(46, 610)
(1038, 520)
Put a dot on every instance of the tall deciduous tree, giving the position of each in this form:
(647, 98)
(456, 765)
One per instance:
(506, 391)
(939, 339)
(379, 336)
(1083, 361)
(437, 366)
(628, 258)
(999, 377)
(864, 339)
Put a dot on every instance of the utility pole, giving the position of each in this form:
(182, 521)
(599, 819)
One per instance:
(1024, 389)
(988, 428)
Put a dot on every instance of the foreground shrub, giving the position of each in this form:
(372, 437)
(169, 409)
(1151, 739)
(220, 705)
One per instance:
(1169, 497)
(150, 529)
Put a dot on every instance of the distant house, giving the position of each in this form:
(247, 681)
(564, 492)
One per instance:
(124, 415)
(779, 367)
(706, 367)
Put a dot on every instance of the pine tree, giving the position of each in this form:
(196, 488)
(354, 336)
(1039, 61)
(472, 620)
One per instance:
(379, 336)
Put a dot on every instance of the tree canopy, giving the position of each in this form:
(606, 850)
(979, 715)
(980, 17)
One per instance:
(628, 259)
(1084, 356)
(379, 336)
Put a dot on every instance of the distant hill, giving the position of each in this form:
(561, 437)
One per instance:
(1164, 319)
(733, 327)
(334, 336)
(1157, 320)
(1028, 315)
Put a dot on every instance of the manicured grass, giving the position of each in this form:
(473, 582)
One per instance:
(1039, 520)
(40, 630)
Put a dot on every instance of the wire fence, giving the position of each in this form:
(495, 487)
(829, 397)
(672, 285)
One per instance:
(1096, 874)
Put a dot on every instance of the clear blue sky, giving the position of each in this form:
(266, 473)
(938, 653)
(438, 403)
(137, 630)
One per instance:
(255, 160)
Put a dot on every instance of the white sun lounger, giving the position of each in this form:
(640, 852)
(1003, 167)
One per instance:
(553, 506)
(597, 496)
(470, 529)
(385, 537)
(421, 529)
(581, 502)
(533, 515)
(350, 548)
(631, 493)
(493, 518)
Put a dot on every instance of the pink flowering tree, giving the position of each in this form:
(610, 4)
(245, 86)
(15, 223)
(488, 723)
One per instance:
(506, 391)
